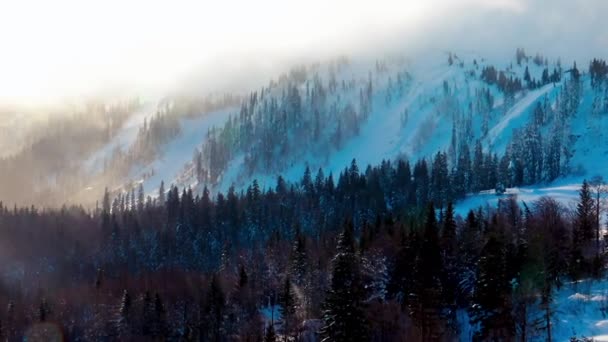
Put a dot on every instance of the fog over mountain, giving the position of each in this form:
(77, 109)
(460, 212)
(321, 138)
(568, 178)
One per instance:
(319, 171)
(69, 49)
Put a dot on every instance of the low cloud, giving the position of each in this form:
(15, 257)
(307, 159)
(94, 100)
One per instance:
(67, 48)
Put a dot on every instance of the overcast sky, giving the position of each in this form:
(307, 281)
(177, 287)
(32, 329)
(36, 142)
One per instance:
(54, 49)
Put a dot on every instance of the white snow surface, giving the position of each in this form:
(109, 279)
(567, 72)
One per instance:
(515, 113)
(581, 310)
(383, 136)
(174, 164)
(123, 139)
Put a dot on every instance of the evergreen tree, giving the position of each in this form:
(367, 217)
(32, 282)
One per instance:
(426, 302)
(10, 321)
(583, 232)
(159, 323)
(527, 75)
(469, 249)
(213, 312)
(491, 306)
(401, 281)
(125, 321)
(270, 335)
(43, 310)
(106, 202)
(479, 169)
(440, 186)
(140, 198)
(147, 314)
(421, 183)
(288, 308)
(161, 193)
(449, 250)
(553, 155)
(299, 259)
(461, 179)
(343, 317)
(585, 212)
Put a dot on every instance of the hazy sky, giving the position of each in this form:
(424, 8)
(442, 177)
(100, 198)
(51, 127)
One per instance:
(52, 49)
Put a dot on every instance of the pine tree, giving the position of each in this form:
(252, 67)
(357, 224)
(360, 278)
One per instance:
(161, 194)
(421, 183)
(583, 232)
(270, 335)
(106, 202)
(585, 212)
(461, 178)
(10, 321)
(147, 314)
(343, 317)
(43, 310)
(426, 302)
(469, 249)
(213, 311)
(449, 249)
(124, 321)
(159, 322)
(527, 75)
(491, 304)
(479, 175)
(448, 233)
(401, 281)
(288, 308)
(440, 186)
(140, 198)
(553, 155)
(299, 260)
(133, 204)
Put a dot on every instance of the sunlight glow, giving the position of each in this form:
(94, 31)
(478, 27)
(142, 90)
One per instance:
(73, 47)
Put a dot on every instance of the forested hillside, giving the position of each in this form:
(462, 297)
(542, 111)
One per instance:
(363, 256)
(322, 207)
(524, 122)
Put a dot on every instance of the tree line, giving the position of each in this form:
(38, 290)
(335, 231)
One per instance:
(368, 257)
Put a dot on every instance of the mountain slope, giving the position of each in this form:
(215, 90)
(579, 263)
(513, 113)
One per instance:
(386, 109)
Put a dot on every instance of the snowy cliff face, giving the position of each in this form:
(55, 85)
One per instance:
(530, 119)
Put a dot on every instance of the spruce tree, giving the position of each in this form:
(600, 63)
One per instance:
(401, 280)
(10, 320)
(583, 232)
(343, 317)
(491, 303)
(124, 321)
(161, 194)
(449, 249)
(288, 308)
(426, 302)
(43, 310)
(147, 314)
(270, 335)
(299, 259)
(213, 312)
(159, 322)
(479, 174)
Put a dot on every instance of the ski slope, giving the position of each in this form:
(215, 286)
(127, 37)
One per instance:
(427, 130)
(174, 163)
(514, 117)
(125, 136)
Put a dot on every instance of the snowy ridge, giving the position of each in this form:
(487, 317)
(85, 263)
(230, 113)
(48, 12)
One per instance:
(436, 96)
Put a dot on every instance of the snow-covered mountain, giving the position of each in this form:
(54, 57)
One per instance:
(324, 115)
